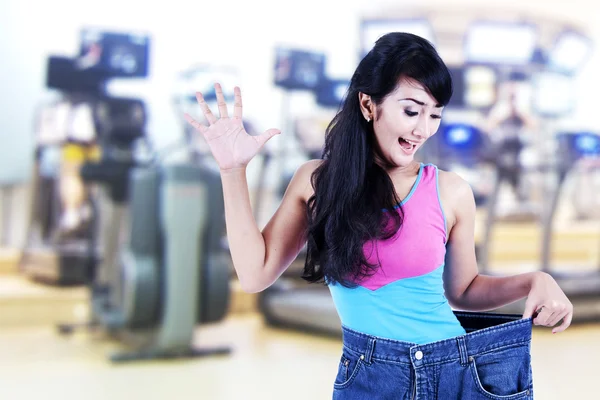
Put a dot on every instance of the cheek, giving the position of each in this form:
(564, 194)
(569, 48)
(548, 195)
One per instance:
(435, 127)
(404, 122)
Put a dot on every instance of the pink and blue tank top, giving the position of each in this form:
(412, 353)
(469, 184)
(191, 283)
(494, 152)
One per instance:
(404, 300)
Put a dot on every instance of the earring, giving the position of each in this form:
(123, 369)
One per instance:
(368, 119)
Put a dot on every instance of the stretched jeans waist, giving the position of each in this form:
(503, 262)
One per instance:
(485, 332)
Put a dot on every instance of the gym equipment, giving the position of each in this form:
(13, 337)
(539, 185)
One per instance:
(294, 304)
(331, 92)
(171, 273)
(84, 116)
(114, 54)
(582, 288)
(298, 70)
(51, 254)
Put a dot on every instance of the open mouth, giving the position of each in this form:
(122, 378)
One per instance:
(406, 145)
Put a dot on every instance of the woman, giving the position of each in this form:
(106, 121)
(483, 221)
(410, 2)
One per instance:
(377, 225)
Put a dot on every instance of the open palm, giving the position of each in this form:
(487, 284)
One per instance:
(230, 144)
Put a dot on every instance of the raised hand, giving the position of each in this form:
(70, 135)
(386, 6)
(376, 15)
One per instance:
(230, 144)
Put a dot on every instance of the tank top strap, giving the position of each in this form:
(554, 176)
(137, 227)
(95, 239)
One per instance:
(427, 193)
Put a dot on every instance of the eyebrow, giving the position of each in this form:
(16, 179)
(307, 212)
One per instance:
(421, 103)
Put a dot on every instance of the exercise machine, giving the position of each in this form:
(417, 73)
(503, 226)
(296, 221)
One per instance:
(55, 252)
(582, 288)
(163, 270)
(170, 273)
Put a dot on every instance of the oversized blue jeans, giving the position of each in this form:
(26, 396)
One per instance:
(491, 361)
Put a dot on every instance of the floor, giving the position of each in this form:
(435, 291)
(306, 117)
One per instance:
(265, 363)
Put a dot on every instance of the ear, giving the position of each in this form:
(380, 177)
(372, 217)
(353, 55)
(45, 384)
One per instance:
(366, 106)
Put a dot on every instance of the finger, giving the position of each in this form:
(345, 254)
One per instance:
(221, 101)
(237, 105)
(197, 125)
(556, 317)
(205, 109)
(543, 316)
(566, 322)
(264, 137)
(529, 310)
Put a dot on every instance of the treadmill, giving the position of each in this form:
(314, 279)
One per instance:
(293, 303)
(581, 287)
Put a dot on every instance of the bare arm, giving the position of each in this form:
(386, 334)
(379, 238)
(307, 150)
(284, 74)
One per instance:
(259, 258)
(465, 288)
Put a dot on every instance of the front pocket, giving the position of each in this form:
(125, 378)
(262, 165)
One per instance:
(349, 367)
(501, 380)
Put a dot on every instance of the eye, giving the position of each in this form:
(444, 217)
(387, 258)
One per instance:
(435, 116)
(411, 113)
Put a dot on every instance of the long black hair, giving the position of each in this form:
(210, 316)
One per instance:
(350, 189)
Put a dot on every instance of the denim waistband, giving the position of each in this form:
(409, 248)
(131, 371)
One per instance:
(499, 334)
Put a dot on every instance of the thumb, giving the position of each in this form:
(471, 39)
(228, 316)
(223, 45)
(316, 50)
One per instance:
(530, 308)
(268, 134)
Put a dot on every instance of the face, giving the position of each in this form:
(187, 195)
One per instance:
(402, 122)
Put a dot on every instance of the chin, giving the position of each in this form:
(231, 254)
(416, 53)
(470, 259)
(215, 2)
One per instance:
(403, 160)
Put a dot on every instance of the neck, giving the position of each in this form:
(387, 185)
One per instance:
(408, 171)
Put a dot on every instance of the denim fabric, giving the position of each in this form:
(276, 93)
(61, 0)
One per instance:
(491, 361)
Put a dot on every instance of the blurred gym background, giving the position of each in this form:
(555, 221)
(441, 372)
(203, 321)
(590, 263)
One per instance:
(115, 277)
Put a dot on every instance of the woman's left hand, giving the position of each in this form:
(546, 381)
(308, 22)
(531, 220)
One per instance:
(550, 302)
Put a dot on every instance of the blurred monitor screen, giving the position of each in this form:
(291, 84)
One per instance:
(553, 94)
(474, 87)
(371, 30)
(569, 52)
(296, 69)
(500, 43)
(331, 92)
(116, 54)
(480, 86)
(587, 143)
(461, 137)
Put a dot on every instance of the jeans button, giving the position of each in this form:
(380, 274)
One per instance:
(419, 355)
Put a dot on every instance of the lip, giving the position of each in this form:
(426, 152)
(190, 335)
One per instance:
(414, 142)
(408, 152)
(412, 150)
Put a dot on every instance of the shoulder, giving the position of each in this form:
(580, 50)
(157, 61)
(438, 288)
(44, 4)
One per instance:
(455, 192)
(301, 182)
(449, 180)
(308, 167)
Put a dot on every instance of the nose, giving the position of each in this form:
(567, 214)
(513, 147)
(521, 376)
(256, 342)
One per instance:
(423, 127)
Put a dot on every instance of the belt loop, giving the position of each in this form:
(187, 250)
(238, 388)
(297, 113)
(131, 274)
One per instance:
(370, 349)
(462, 350)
